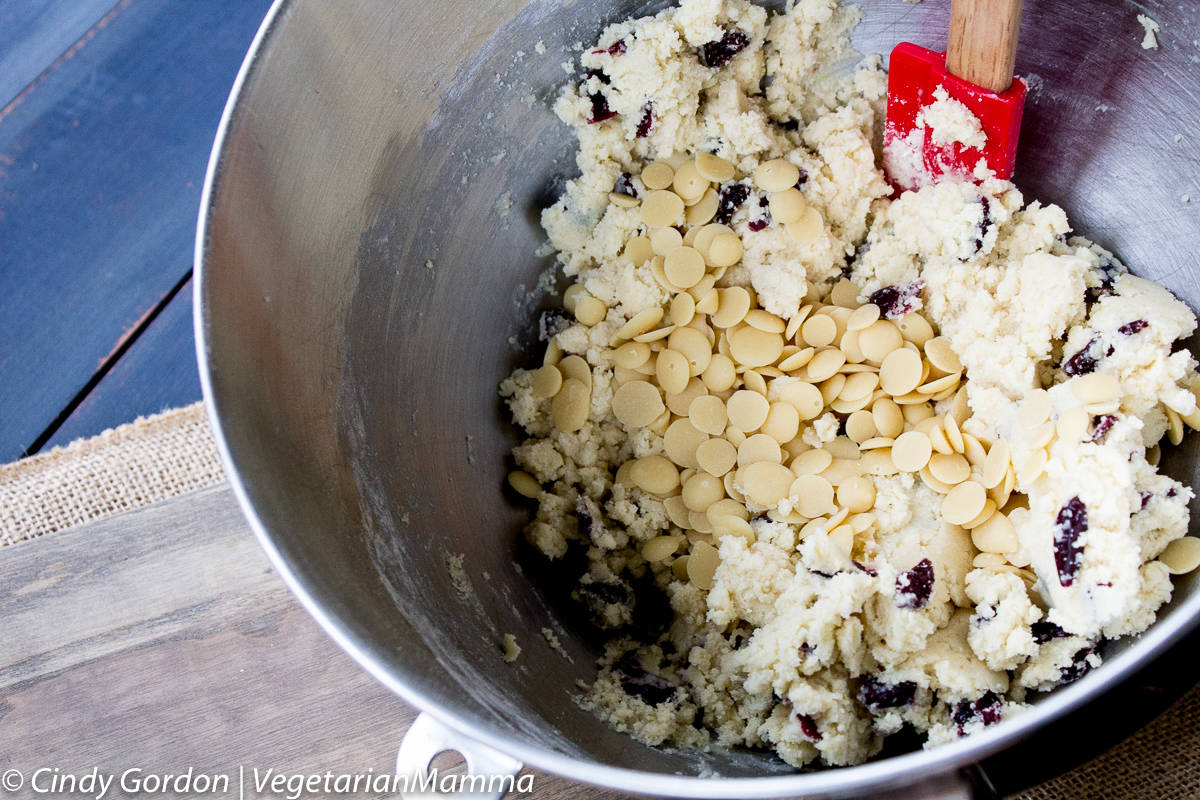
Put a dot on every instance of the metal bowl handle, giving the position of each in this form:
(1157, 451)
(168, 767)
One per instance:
(968, 783)
(495, 773)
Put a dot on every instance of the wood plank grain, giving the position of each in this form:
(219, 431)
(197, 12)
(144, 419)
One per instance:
(156, 373)
(983, 41)
(101, 166)
(162, 639)
(35, 35)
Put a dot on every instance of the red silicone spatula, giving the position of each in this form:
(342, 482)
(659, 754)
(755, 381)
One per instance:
(977, 70)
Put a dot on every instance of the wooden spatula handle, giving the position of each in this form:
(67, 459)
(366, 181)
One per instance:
(983, 41)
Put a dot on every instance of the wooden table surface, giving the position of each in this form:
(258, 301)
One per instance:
(107, 114)
(161, 639)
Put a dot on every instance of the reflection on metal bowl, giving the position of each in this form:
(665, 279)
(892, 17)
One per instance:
(360, 297)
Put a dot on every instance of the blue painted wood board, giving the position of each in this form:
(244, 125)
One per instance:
(157, 372)
(35, 35)
(101, 166)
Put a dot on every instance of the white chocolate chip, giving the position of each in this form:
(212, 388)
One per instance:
(661, 207)
(813, 495)
(642, 322)
(570, 407)
(654, 474)
(546, 381)
(911, 451)
(658, 175)
(702, 565)
(637, 403)
(747, 410)
(702, 490)
(524, 484)
(1182, 555)
(716, 456)
(1098, 387)
(765, 483)
(733, 307)
(942, 355)
(755, 348)
(776, 175)
(714, 168)
(819, 330)
(900, 372)
(964, 502)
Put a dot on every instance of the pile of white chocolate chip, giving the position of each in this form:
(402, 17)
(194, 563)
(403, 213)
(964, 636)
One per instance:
(758, 414)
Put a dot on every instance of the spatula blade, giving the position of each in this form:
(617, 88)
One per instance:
(914, 74)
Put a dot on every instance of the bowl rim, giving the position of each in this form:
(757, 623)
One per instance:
(896, 771)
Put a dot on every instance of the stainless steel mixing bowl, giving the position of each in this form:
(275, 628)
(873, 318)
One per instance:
(366, 276)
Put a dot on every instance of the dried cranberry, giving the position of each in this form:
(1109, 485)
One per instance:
(896, 301)
(1108, 278)
(984, 223)
(615, 49)
(809, 727)
(587, 512)
(637, 682)
(1078, 667)
(646, 123)
(717, 54)
(803, 179)
(605, 592)
(1145, 497)
(1083, 362)
(1130, 328)
(1044, 630)
(552, 323)
(1070, 522)
(869, 570)
(984, 614)
(730, 199)
(762, 222)
(989, 707)
(600, 109)
(1101, 426)
(876, 694)
(964, 712)
(914, 586)
(624, 185)
(986, 709)
(598, 596)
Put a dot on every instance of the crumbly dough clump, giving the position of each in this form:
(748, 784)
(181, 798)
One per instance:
(840, 463)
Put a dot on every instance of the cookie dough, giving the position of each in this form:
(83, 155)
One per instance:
(836, 462)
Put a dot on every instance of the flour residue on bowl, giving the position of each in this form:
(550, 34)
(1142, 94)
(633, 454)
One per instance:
(830, 463)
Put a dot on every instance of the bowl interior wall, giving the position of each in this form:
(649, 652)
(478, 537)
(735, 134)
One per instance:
(371, 277)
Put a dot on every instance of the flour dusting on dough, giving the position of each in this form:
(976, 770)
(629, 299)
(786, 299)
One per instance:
(1150, 31)
(819, 636)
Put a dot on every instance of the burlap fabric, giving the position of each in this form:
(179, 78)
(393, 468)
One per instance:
(128, 467)
(158, 457)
